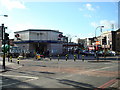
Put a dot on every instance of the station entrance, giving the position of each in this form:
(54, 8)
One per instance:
(40, 48)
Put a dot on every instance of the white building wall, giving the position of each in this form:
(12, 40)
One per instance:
(55, 48)
(43, 35)
(23, 36)
(24, 47)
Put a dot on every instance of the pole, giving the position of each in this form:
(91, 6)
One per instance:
(8, 51)
(3, 40)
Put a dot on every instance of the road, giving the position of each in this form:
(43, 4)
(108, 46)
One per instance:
(31, 73)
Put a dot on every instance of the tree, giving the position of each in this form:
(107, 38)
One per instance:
(78, 40)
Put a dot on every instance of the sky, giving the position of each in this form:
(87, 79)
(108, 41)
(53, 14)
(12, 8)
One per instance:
(78, 18)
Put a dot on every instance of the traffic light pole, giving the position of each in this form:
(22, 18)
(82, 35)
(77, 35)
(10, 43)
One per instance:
(3, 40)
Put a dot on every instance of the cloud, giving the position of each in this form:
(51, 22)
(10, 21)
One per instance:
(11, 4)
(108, 24)
(89, 7)
(94, 24)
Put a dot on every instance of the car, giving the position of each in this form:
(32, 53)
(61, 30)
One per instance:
(112, 53)
(100, 53)
(91, 52)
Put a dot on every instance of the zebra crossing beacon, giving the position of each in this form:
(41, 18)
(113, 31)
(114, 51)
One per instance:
(75, 57)
(18, 60)
(50, 57)
(58, 57)
(11, 58)
(66, 57)
(83, 57)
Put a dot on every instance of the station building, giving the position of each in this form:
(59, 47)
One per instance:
(39, 40)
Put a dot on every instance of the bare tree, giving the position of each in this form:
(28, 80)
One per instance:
(69, 37)
(78, 40)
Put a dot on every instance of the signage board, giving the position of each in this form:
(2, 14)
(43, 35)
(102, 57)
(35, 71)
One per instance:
(97, 42)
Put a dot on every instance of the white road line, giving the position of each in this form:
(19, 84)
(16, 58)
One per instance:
(102, 68)
(32, 78)
(86, 72)
(17, 82)
(19, 76)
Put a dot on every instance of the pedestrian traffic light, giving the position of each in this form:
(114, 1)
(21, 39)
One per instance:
(104, 41)
(7, 47)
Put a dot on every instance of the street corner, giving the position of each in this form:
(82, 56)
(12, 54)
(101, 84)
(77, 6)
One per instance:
(10, 66)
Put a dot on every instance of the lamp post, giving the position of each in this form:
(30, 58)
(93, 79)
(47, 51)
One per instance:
(4, 15)
(96, 38)
(100, 29)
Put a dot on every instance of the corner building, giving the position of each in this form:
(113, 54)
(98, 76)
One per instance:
(39, 40)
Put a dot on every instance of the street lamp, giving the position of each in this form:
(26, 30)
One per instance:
(96, 38)
(100, 29)
(4, 15)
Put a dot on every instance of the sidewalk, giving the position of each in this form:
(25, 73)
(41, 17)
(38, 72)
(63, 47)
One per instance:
(8, 65)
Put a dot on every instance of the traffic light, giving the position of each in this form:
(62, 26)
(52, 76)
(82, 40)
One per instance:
(7, 47)
(6, 36)
(104, 41)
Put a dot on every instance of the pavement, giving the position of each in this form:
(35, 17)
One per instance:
(10, 66)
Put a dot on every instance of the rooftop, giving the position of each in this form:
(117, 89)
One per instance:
(38, 30)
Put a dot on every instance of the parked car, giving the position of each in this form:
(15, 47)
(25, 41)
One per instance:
(112, 53)
(91, 52)
(100, 53)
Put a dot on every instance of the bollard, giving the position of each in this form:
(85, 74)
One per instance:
(11, 58)
(18, 61)
(74, 57)
(50, 57)
(66, 57)
(82, 57)
(58, 57)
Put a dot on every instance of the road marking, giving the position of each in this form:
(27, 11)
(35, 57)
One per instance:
(32, 78)
(18, 82)
(87, 72)
(108, 83)
(99, 69)
(19, 76)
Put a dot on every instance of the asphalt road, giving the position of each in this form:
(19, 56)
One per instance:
(60, 74)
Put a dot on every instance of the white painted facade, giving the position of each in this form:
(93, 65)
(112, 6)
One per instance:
(34, 39)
